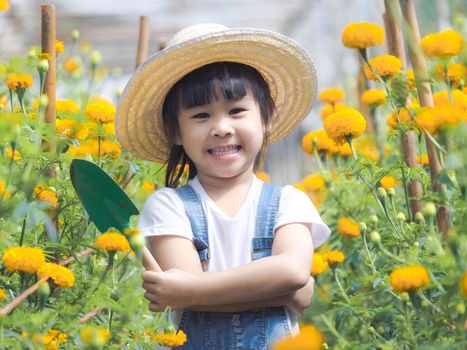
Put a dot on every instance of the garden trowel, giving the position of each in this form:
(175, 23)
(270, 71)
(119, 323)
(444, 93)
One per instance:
(105, 202)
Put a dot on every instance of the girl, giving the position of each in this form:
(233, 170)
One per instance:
(236, 252)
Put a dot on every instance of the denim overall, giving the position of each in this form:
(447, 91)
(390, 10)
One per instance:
(255, 329)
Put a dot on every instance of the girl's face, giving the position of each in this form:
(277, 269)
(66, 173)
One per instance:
(222, 137)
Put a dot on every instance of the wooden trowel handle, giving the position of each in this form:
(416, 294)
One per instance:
(150, 264)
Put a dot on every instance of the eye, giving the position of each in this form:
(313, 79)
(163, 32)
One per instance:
(200, 116)
(236, 111)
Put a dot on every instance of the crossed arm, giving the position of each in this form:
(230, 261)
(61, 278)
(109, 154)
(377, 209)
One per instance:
(283, 279)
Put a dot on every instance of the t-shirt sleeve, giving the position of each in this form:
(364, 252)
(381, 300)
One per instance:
(296, 207)
(164, 214)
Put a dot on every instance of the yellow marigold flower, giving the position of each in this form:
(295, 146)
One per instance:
(44, 194)
(410, 78)
(263, 176)
(332, 108)
(93, 336)
(61, 276)
(299, 187)
(71, 128)
(85, 46)
(59, 46)
(91, 147)
(2, 191)
(169, 339)
(67, 106)
(345, 150)
(2, 294)
(334, 257)
(318, 265)
(321, 139)
(423, 159)
(55, 334)
(374, 97)
(313, 182)
(385, 66)
(23, 259)
(4, 5)
(432, 119)
(407, 278)
(113, 241)
(362, 35)
(346, 123)
(132, 231)
(309, 338)
(47, 342)
(405, 115)
(388, 182)
(426, 120)
(442, 44)
(456, 72)
(348, 228)
(109, 128)
(19, 81)
(366, 148)
(43, 56)
(332, 95)
(71, 64)
(102, 112)
(16, 155)
(464, 284)
(148, 186)
(459, 98)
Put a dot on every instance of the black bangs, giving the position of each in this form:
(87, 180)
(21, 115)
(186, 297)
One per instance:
(206, 83)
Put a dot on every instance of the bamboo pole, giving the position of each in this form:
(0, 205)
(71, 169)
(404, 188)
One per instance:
(48, 37)
(143, 40)
(409, 144)
(426, 100)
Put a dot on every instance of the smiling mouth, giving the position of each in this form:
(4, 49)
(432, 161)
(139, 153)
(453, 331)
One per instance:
(223, 151)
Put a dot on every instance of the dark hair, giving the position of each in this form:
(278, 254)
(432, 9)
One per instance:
(198, 88)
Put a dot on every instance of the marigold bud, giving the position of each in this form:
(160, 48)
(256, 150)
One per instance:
(405, 296)
(375, 237)
(373, 219)
(460, 308)
(400, 216)
(137, 242)
(75, 34)
(391, 192)
(429, 209)
(43, 66)
(95, 58)
(419, 218)
(362, 226)
(43, 102)
(382, 195)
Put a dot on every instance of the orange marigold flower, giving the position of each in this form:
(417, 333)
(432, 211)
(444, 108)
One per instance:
(464, 284)
(91, 146)
(408, 278)
(345, 150)
(423, 159)
(93, 336)
(71, 64)
(62, 276)
(332, 95)
(4, 5)
(385, 66)
(348, 228)
(459, 98)
(343, 124)
(320, 139)
(300, 187)
(366, 148)
(332, 108)
(46, 342)
(112, 242)
(410, 78)
(388, 182)
(23, 259)
(102, 112)
(334, 257)
(71, 128)
(109, 128)
(318, 265)
(44, 194)
(362, 35)
(313, 182)
(309, 338)
(263, 176)
(67, 106)
(456, 72)
(2, 294)
(405, 115)
(19, 81)
(169, 338)
(59, 46)
(426, 120)
(55, 334)
(374, 97)
(148, 185)
(442, 44)
(16, 155)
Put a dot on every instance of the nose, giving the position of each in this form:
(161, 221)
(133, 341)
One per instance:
(222, 127)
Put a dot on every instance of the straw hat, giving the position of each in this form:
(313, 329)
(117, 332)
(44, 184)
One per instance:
(284, 64)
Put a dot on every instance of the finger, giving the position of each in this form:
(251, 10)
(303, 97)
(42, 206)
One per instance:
(149, 276)
(150, 297)
(155, 307)
(148, 286)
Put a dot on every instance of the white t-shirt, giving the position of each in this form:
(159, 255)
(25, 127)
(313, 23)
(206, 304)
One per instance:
(229, 237)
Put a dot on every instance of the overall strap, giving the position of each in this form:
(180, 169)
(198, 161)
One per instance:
(195, 212)
(266, 213)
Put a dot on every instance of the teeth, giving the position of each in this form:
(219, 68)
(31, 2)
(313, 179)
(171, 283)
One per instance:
(222, 151)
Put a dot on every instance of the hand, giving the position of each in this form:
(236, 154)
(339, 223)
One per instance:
(173, 288)
(301, 298)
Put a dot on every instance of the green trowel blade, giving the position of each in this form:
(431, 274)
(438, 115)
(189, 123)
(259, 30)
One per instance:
(103, 199)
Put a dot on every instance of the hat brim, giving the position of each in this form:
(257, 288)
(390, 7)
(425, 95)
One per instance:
(286, 67)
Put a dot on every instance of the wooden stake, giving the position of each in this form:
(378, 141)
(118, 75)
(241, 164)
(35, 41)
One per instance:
(143, 40)
(426, 100)
(48, 46)
(409, 145)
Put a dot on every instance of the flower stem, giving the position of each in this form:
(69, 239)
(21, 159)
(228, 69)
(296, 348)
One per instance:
(368, 253)
(333, 330)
